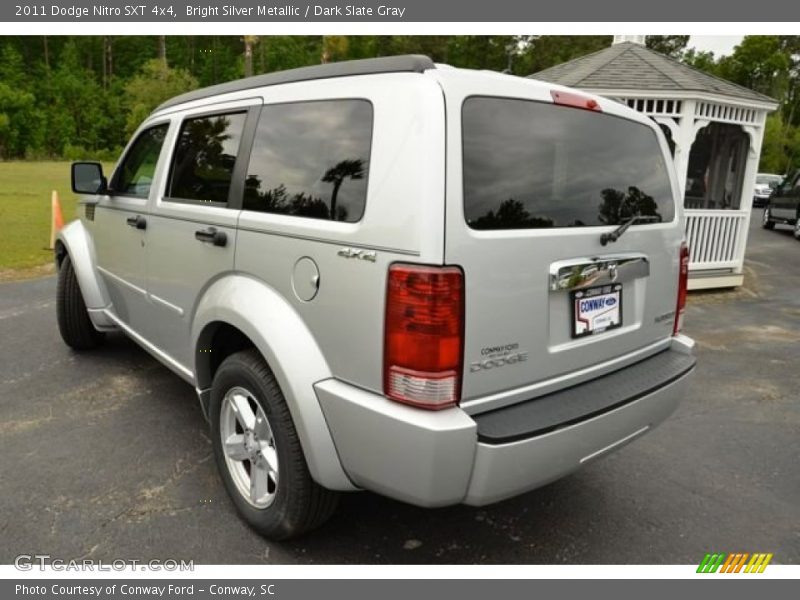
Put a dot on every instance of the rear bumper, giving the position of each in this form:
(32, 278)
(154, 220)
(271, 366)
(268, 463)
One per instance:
(447, 457)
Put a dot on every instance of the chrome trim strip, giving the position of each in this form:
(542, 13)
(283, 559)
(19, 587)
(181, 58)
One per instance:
(162, 356)
(166, 304)
(528, 392)
(124, 282)
(321, 240)
(581, 273)
(613, 446)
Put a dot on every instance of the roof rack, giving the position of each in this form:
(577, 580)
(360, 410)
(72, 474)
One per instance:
(409, 63)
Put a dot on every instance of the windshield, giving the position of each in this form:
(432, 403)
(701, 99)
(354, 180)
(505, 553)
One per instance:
(771, 180)
(537, 165)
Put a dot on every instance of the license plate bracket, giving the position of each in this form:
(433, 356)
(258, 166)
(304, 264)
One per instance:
(596, 310)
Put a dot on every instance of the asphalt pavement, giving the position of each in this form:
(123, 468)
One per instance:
(105, 455)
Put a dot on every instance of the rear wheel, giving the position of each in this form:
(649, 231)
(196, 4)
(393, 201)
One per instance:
(766, 221)
(258, 451)
(74, 324)
(797, 229)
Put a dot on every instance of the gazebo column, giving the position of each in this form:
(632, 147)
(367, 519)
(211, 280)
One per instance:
(684, 139)
(756, 135)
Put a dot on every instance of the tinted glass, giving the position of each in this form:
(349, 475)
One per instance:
(135, 174)
(532, 165)
(205, 155)
(311, 159)
(771, 180)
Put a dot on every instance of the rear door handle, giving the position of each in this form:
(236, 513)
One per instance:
(211, 235)
(139, 222)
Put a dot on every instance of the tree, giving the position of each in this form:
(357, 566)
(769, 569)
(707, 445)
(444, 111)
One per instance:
(759, 63)
(700, 59)
(334, 48)
(74, 116)
(541, 52)
(16, 120)
(155, 83)
(619, 205)
(671, 45)
(162, 49)
(511, 214)
(346, 169)
(249, 42)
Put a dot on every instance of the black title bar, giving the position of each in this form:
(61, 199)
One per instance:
(398, 11)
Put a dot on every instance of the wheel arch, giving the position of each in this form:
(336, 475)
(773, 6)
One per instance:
(76, 242)
(239, 311)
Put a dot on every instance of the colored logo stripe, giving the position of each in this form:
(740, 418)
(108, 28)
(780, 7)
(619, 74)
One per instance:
(734, 562)
(710, 563)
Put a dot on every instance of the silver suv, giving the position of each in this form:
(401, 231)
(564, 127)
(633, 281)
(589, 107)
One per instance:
(441, 285)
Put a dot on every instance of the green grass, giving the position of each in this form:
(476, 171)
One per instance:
(25, 189)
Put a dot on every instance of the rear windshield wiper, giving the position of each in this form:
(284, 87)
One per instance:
(617, 233)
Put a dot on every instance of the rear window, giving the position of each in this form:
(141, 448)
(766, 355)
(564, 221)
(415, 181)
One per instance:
(537, 165)
(311, 159)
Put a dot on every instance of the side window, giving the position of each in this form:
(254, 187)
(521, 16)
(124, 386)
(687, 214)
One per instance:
(311, 159)
(205, 154)
(136, 171)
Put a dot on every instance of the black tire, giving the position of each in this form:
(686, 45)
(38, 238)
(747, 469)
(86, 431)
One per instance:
(766, 222)
(299, 504)
(74, 324)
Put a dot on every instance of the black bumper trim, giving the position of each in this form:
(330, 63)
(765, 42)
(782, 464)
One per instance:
(583, 401)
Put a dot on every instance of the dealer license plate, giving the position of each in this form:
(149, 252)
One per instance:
(596, 309)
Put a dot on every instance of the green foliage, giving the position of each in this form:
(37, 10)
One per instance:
(17, 124)
(542, 52)
(671, 45)
(781, 147)
(155, 83)
(81, 96)
(758, 63)
(702, 60)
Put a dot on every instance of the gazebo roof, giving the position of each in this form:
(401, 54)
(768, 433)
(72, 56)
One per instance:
(632, 66)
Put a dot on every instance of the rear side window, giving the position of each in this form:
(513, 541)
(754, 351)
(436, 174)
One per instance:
(311, 159)
(205, 155)
(136, 172)
(536, 165)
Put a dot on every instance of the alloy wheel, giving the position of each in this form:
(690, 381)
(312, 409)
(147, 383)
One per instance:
(249, 447)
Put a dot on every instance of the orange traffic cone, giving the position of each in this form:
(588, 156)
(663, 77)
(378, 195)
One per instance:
(56, 220)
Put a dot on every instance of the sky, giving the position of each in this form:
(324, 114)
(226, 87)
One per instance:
(720, 45)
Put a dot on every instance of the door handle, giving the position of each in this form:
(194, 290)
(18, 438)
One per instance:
(211, 236)
(139, 222)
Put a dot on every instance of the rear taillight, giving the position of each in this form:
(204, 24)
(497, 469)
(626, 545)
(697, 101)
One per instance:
(683, 283)
(575, 100)
(424, 335)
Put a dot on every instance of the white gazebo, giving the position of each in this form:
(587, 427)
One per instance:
(715, 129)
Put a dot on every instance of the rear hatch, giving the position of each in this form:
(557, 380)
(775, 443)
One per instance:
(534, 181)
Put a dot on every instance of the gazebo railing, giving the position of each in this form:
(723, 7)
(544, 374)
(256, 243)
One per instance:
(716, 238)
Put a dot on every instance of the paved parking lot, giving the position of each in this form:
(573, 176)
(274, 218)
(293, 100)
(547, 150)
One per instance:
(107, 456)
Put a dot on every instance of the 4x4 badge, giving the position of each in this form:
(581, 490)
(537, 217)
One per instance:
(368, 255)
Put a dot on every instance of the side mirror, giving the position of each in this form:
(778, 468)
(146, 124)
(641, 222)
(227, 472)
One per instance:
(87, 178)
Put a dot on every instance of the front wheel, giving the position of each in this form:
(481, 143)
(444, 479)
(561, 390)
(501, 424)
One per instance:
(74, 324)
(797, 229)
(766, 221)
(258, 451)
